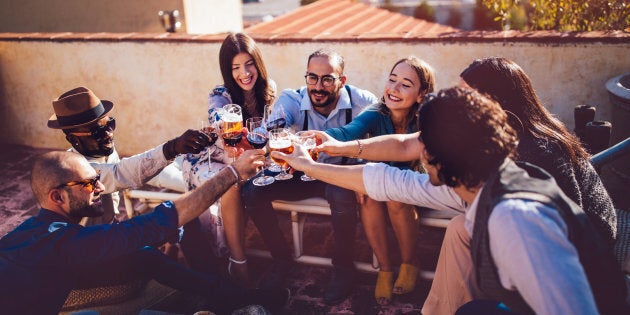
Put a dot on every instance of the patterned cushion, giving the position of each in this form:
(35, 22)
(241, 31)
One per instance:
(82, 298)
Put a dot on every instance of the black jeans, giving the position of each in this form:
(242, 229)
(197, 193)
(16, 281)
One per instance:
(343, 204)
(222, 295)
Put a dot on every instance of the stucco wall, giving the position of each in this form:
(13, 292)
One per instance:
(160, 88)
(118, 16)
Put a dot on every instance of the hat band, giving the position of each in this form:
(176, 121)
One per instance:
(83, 117)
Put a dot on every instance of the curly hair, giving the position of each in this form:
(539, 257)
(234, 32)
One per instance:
(234, 44)
(466, 135)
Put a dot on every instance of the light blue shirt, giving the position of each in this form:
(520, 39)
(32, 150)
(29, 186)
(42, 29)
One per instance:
(297, 106)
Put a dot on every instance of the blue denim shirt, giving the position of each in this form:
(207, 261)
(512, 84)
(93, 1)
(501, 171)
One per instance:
(41, 258)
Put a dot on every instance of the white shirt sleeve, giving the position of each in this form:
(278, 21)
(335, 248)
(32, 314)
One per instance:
(533, 255)
(132, 171)
(384, 182)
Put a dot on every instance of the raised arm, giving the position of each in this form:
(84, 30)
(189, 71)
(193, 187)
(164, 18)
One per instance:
(394, 147)
(346, 176)
(193, 203)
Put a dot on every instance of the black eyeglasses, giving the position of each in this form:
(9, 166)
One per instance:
(327, 80)
(98, 132)
(88, 184)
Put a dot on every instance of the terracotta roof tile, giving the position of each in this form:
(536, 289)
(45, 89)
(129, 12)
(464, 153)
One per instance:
(343, 19)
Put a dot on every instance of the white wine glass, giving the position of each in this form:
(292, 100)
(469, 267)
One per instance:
(206, 127)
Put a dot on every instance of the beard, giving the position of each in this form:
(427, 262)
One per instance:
(104, 148)
(329, 98)
(81, 208)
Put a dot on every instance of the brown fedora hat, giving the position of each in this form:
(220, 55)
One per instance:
(78, 107)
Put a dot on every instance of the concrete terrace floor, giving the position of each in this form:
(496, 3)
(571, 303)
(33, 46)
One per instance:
(306, 282)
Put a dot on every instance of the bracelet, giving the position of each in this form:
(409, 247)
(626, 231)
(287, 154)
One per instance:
(238, 178)
(360, 149)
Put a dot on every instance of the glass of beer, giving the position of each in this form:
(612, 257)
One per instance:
(232, 125)
(280, 140)
(274, 120)
(309, 142)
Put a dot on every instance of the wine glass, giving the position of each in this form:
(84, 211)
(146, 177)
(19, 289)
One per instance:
(206, 127)
(257, 137)
(280, 140)
(232, 125)
(274, 120)
(309, 142)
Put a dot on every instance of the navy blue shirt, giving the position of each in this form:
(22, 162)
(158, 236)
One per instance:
(41, 258)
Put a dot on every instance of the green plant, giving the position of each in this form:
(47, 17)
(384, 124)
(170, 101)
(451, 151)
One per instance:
(563, 15)
(424, 11)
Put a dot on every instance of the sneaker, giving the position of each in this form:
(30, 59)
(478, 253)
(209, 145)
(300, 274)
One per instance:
(339, 286)
(274, 277)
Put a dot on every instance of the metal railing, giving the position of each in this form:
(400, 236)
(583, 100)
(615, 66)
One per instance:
(611, 154)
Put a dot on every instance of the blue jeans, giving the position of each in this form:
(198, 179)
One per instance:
(343, 205)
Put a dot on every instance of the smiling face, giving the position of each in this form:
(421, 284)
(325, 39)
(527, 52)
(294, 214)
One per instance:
(244, 71)
(324, 98)
(89, 146)
(402, 89)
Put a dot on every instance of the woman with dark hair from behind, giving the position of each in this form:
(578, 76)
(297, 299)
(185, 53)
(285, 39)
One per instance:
(246, 83)
(544, 140)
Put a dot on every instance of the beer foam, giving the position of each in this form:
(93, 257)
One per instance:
(280, 143)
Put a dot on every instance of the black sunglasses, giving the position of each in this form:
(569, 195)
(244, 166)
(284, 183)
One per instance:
(88, 184)
(98, 132)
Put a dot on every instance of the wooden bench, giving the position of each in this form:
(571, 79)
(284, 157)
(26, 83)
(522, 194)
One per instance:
(298, 211)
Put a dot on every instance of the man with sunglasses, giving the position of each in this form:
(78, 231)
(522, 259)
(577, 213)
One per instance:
(325, 102)
(51, 253)
(85, 121)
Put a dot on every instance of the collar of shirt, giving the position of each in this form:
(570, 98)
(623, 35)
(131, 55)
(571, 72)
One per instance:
(471, 212)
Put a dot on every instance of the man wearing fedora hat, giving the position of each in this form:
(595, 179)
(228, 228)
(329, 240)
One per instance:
(85, 121)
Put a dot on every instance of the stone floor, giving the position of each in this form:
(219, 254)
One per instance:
(306, 282)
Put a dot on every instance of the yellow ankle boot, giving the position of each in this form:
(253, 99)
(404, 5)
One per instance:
(383, 290)
(406, 281)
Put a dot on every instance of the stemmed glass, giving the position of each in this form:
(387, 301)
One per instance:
(280, 140)
(208, 128)
(257, 137)
(232, 125)
(274, 120)
(309, 142)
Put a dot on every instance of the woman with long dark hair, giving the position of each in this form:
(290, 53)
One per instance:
(246, 83)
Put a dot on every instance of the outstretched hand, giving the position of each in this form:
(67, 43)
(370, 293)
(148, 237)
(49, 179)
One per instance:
(191, 141)
(248, 163)
(300, 159)
(330, 145)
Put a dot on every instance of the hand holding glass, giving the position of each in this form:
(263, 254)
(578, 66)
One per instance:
(309, 142)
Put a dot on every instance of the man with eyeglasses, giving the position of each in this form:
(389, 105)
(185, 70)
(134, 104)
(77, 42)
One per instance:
(85, 121)
(50, 254)
(325, 102)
